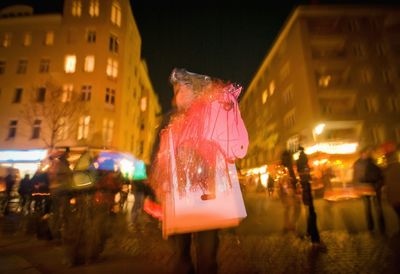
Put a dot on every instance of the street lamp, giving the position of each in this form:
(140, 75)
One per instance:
(319, 129)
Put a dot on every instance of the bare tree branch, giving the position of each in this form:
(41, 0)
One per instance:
(58, 112)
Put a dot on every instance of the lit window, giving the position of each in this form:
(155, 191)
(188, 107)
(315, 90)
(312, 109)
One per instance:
(70, 63)
(83, 127)
(12, 129)
(67, 93)
(271, 88)
(110, 97)
(6, 42)
(91, 36)
(324, 81)
(22, 66)
(27, 39)
(44, 66)
(41, 94)
(2, 67)
(264, 96)
(36, 129)
(143, 103)
(116, 13)
(86, 92)
(18, 95)
(94, 8)
(76, 8)
(112, 68)
(89, 63)
(49, 38)
(108, 129)
(113, 43)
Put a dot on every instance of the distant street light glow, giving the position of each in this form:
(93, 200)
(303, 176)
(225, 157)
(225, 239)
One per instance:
(319, 129)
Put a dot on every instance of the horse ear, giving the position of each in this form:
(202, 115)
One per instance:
(236, 91)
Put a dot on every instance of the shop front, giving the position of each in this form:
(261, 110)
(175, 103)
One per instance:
(25, 161)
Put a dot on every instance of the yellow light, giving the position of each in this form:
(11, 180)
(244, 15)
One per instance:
(70, 63)
(264, 179)
(127, 167)
(319, 129)
(256, 170)
(332, 148)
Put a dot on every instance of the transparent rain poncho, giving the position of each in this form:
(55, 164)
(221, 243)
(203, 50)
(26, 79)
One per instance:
(195, 167)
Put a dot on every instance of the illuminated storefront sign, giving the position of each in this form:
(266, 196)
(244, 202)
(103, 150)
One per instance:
(22, 156)
(332, 148)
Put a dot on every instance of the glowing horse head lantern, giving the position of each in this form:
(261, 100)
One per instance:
(214, 116)
(225, 125)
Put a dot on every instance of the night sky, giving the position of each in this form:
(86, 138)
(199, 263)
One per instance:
(227, 39)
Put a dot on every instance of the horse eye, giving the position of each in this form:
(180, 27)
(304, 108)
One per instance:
(228, 105)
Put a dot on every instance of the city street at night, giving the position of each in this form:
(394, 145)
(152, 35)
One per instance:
(199, 137)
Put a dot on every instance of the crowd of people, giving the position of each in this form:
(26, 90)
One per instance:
(295, 185)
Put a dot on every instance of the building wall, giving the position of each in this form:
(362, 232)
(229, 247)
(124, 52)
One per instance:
(314, 73)
(150, 111)
(120, 104)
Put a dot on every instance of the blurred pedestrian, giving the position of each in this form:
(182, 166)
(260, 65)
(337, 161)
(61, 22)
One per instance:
(25, 193)
(366, 171)
(60, 183)
(10, 183)
(293, 212)
(138, 189)
(303, 170)
(392, 181)
(42, 204)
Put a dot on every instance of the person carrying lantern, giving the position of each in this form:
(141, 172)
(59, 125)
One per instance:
(193, 174)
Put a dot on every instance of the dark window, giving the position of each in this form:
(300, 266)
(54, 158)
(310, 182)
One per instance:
(2, 67)
(22, 66)
(18, 95)
(110, 96)
(113, 44)
(12, 129)
(91, 36)
(141, 147)
(36, 129)
(41, 95)
(44, 66)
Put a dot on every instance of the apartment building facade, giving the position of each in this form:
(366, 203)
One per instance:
(92, 51)
(330, 82)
